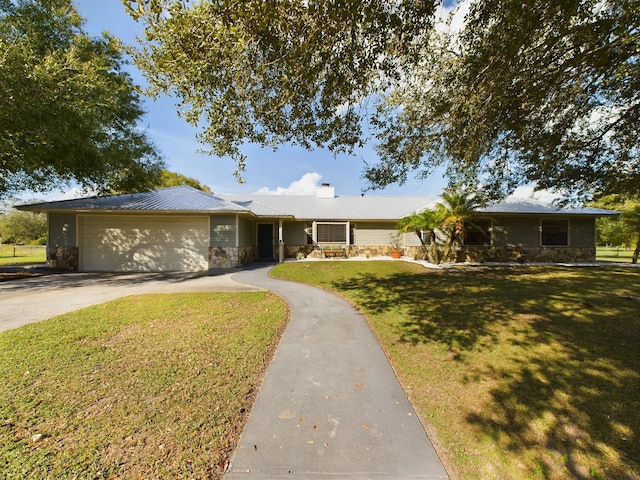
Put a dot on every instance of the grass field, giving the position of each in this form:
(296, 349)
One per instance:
(523, 372)
(149, 387)
(614, 254)
(22, 254)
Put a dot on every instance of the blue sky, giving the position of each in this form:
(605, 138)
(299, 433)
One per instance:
(286, 169)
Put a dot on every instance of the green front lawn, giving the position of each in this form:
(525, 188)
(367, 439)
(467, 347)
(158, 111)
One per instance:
(614, 254)
(524, 372)
(154, 386)
(22, 254)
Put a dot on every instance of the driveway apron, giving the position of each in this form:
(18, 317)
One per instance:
(34, 299)
(330, 405)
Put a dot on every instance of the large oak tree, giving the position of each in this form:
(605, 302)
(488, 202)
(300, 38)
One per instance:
(68, 111)
(282, 71)
(545, 92)
(530, 91)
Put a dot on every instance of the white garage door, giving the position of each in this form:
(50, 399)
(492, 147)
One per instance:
(130, 243)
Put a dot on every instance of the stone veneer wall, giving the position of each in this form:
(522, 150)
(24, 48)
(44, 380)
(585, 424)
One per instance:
(470, 254)
(352, 251)
(291, 251)
(63, 258)
(476, 254)
(372, 250)
(527, 254)
(230, 257)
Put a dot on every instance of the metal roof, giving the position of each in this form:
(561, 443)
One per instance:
(338, 208)
(517, 206)
(172, 199)
(186, 199)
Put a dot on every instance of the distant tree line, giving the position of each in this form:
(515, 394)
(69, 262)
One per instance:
(622, 231)
(23, 227)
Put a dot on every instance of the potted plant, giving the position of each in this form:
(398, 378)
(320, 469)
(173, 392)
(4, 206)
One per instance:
(396, 250)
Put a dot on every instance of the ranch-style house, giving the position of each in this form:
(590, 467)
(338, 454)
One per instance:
(184, 229)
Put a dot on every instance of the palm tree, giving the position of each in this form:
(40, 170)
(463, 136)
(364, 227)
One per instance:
(450, 216)
(427, 221)
(457, 210)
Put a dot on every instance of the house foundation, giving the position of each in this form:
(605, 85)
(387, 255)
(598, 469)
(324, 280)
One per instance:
(469, 254)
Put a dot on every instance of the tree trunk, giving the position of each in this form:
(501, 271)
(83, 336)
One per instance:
(448, 246)
(636, 252)
(432, 251)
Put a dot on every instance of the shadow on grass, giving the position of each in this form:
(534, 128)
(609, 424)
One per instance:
(560, 347)
(456, 308)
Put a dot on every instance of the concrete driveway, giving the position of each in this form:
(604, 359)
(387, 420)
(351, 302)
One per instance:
(34, 299)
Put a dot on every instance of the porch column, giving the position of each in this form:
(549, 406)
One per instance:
(280, 242)
(237, 230)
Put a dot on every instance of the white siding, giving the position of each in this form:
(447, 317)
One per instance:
(152, 243)
(374, 233)
(379, 234)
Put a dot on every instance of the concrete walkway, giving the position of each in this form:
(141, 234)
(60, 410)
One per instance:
(330, 405)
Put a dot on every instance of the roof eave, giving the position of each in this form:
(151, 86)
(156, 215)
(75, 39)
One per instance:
(111, 211)
(560, 213)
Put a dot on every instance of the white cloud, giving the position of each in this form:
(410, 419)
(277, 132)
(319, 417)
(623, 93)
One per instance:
(452, 18)
(529, 192)
(71, 193)
(308, 184)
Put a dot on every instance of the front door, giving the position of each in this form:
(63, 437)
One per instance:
(265, 240)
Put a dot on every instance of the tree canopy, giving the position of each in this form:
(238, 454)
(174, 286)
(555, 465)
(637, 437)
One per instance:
(545, 92)
(23, 227)
(286, 71)
(174, 179)
(68, 112)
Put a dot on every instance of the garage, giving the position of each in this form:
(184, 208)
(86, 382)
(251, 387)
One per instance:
(149, 243)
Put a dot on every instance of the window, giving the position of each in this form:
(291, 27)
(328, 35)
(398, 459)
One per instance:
(331, 232)
(555, 232)
(478, 232)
